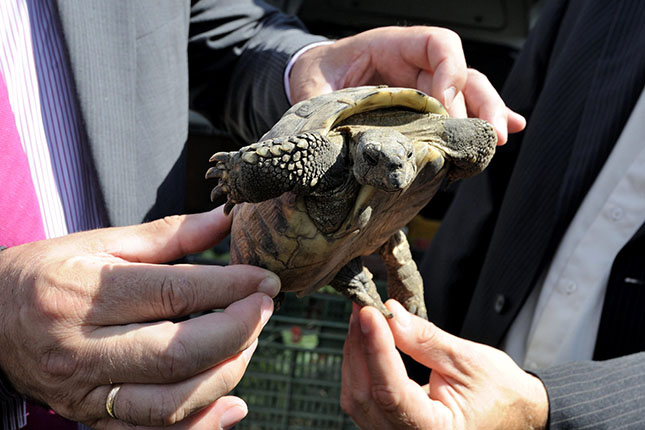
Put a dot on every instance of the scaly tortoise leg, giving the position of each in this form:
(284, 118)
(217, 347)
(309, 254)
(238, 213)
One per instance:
(404, 281)
(266, 169)
(355, 282)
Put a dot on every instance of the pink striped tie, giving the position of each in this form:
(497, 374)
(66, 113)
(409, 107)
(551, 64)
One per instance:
(20, 220)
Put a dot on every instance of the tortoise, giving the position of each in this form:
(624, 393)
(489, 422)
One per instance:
(337, 178)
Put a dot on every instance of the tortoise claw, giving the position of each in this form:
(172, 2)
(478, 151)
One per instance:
(216, 193)
(220, 156)
(228, 207)
(213, 172)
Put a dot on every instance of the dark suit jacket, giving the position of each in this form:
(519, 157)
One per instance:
(132, 63)
(576, 81)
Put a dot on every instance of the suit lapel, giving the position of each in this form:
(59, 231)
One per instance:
(616, 81)
(99, 37)
(582, 107)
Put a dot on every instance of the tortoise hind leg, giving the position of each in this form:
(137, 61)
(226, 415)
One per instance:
(404, 282)
(355, 282)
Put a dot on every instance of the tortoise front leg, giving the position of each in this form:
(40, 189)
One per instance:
(355, 282)
(267, 169)
(404, 281)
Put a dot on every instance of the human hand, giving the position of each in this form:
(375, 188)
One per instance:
(85, 311)
(472, 386)
(430, 59)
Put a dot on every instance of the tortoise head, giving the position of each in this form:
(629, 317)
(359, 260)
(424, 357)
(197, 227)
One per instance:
(384, 159)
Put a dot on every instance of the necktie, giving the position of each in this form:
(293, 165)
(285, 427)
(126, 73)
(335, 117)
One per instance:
(20, 219)
(20, 222)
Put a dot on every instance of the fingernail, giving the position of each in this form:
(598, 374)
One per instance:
(266, 309)
(448, 96)
(366, 323)
(248, 352)
(270, 285)
(500, 126)
(232, 416)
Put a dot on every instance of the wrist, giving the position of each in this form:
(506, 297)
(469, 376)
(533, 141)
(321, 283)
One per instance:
(537, 404)
(304, 75)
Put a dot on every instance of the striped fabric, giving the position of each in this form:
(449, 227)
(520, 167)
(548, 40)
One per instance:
(582, 394)
(40, 92)
(12, 409)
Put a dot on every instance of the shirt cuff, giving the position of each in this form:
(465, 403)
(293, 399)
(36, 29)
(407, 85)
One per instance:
(292, 61)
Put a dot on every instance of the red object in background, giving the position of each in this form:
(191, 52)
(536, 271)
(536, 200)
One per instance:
(296, 334)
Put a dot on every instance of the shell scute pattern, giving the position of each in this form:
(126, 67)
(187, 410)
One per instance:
(337, 178)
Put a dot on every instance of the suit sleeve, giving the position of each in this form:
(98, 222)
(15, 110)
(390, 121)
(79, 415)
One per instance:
(238, 52)
(596, 395)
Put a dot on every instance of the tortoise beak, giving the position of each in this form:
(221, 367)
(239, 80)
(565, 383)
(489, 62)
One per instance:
(398, 179)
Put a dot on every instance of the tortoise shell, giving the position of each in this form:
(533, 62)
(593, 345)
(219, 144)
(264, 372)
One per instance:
(315, 232)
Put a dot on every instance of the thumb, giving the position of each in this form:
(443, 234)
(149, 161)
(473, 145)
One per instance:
(426, 343)
(166, 239)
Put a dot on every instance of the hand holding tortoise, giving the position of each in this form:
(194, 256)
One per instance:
(430, 59)
(472, 386)
(93, 312)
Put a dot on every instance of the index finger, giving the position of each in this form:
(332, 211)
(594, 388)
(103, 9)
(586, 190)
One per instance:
(446, 59)
(430, 59)
(139, 292)
(397, 395)
(483, 101)
(166, 352)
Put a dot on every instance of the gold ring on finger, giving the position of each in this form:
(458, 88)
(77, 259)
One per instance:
(111, 399)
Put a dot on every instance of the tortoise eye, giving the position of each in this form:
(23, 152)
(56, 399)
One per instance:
(410, 154)
(370, 158)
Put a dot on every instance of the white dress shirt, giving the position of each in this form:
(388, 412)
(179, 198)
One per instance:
(559, 321)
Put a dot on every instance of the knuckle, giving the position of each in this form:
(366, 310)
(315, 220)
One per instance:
(56, 365)
(173, 360)
(357, 401)
(167, 221)
(442, 34)
(364, 406)
(226, 381)
(456, 39)
(474, 74)
(177, 295)
(347, 403)
(467, 360)
(165, 411)
(242, 332)
(71, 408)
(426, 334)
(386, 398)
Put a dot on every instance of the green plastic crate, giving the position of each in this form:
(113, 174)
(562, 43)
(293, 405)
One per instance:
(293, 380)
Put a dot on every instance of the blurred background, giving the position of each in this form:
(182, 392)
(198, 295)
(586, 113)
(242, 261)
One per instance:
(293, 380)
